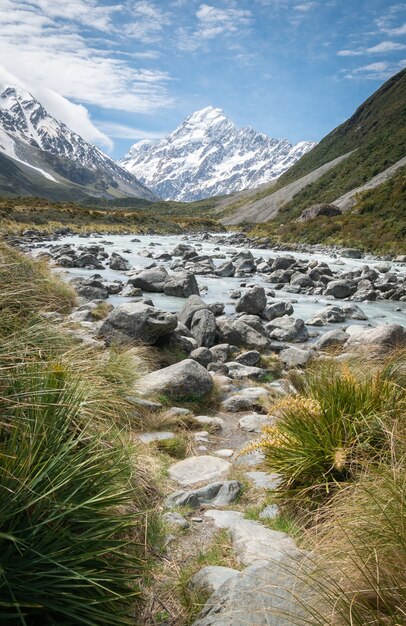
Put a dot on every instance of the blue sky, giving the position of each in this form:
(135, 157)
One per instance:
(136, 68)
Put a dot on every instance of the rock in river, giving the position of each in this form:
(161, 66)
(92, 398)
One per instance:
(136, 321)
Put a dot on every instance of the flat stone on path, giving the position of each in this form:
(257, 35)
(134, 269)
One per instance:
(199, 469)
(211, 577)
(221, 493)
(264, 480)
(155, 436)
(251, 540)
(253, 422)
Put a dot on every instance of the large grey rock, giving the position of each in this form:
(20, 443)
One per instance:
(353, 312)
(136, 321)
(181, 285)
(199, 469)
(202, 356)
(283, 262)
(117, 262)
(191, 306)
(253, 301)
(184, 379)
(221, 493)
(252, 357)
(203, 328)
(333, 338)
(247, 399)
(288, 329)
(328, 315)
(276, 309)
(237, 371)
(263, 594)
(295, 357)
(238, 333)
(340, 289)
(152, 280)
(251, 540)
(319, 210)
(226, 270)
(351, 253)
(253, 422)
(211, 577)
(382, 338)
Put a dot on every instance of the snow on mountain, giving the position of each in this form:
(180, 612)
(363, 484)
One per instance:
(208, 155)
(26, 129)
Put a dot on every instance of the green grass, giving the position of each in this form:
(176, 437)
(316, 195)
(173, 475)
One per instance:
(76, 499)
(325, 436)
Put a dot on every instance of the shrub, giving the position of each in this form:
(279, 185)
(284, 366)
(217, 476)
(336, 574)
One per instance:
(337, 424)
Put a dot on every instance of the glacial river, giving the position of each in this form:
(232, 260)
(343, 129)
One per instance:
(215, 289)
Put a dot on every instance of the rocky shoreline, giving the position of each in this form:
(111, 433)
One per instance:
(246, 357)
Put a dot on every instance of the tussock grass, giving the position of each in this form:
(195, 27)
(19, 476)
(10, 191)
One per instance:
(337, 425)
(76, 499)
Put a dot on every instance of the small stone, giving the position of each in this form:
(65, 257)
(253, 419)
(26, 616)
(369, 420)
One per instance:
(175, 519)
(199, 469)
(253, 422)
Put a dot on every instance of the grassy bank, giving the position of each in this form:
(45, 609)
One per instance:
(19, 214)
(340, 447)
(76, 496)
(381, 210)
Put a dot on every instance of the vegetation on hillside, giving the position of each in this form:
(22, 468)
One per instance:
(377, 223)
(75, 495)
(19, 214)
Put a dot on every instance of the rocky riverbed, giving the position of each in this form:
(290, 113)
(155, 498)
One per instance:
(239, 318)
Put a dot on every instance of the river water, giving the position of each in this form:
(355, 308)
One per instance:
(215, 289)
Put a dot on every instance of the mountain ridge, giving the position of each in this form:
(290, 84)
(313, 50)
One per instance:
(207, 155)
(33, 139)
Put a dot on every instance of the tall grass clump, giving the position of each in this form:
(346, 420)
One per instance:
(76, 499)
(358, 571)
(336, 425)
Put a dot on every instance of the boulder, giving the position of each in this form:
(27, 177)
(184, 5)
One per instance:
(351, 253)
(332, 339)
(328, 315)
(276, 309)
(237, 371)
(340, 289)
(117, 262)
(283, 262)
(136, 321)
(220, 352)
(210, 578)
(295, 357)
(253, 301)
(252, 357)
(238, 333)
(382, 338)
(288, 329)
(181, 285)
(263, 594)
(152, 280)
(353, 312)
(319, 210)
(221, 493)
(203, 328)
(226, 270)
(184, 379)
(253, 422)
(191, 306)
(247, 399)
(199, 469)
(202, 356)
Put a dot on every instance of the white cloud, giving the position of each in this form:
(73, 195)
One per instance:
(380, 48)
(149, 21)
(213, 22)
(75, 116)
(53, 53)
(305, 7)
(121, 131)
(381, 70)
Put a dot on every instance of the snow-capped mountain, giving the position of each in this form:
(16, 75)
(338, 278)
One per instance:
(208, 155)
(36, 140)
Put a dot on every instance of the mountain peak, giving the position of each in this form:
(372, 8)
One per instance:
(208, 155)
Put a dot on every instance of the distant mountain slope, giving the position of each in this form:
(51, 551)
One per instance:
(374, 138)
(34, 140)
(208, 156)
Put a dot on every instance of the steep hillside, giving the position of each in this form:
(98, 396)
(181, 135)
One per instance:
(374, 138)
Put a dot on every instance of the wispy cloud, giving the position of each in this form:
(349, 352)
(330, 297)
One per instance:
(121, 131)
(381, 70)
(213, 22)
(53, 51)
(380, 48)
(305, 7)
(147, 21)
